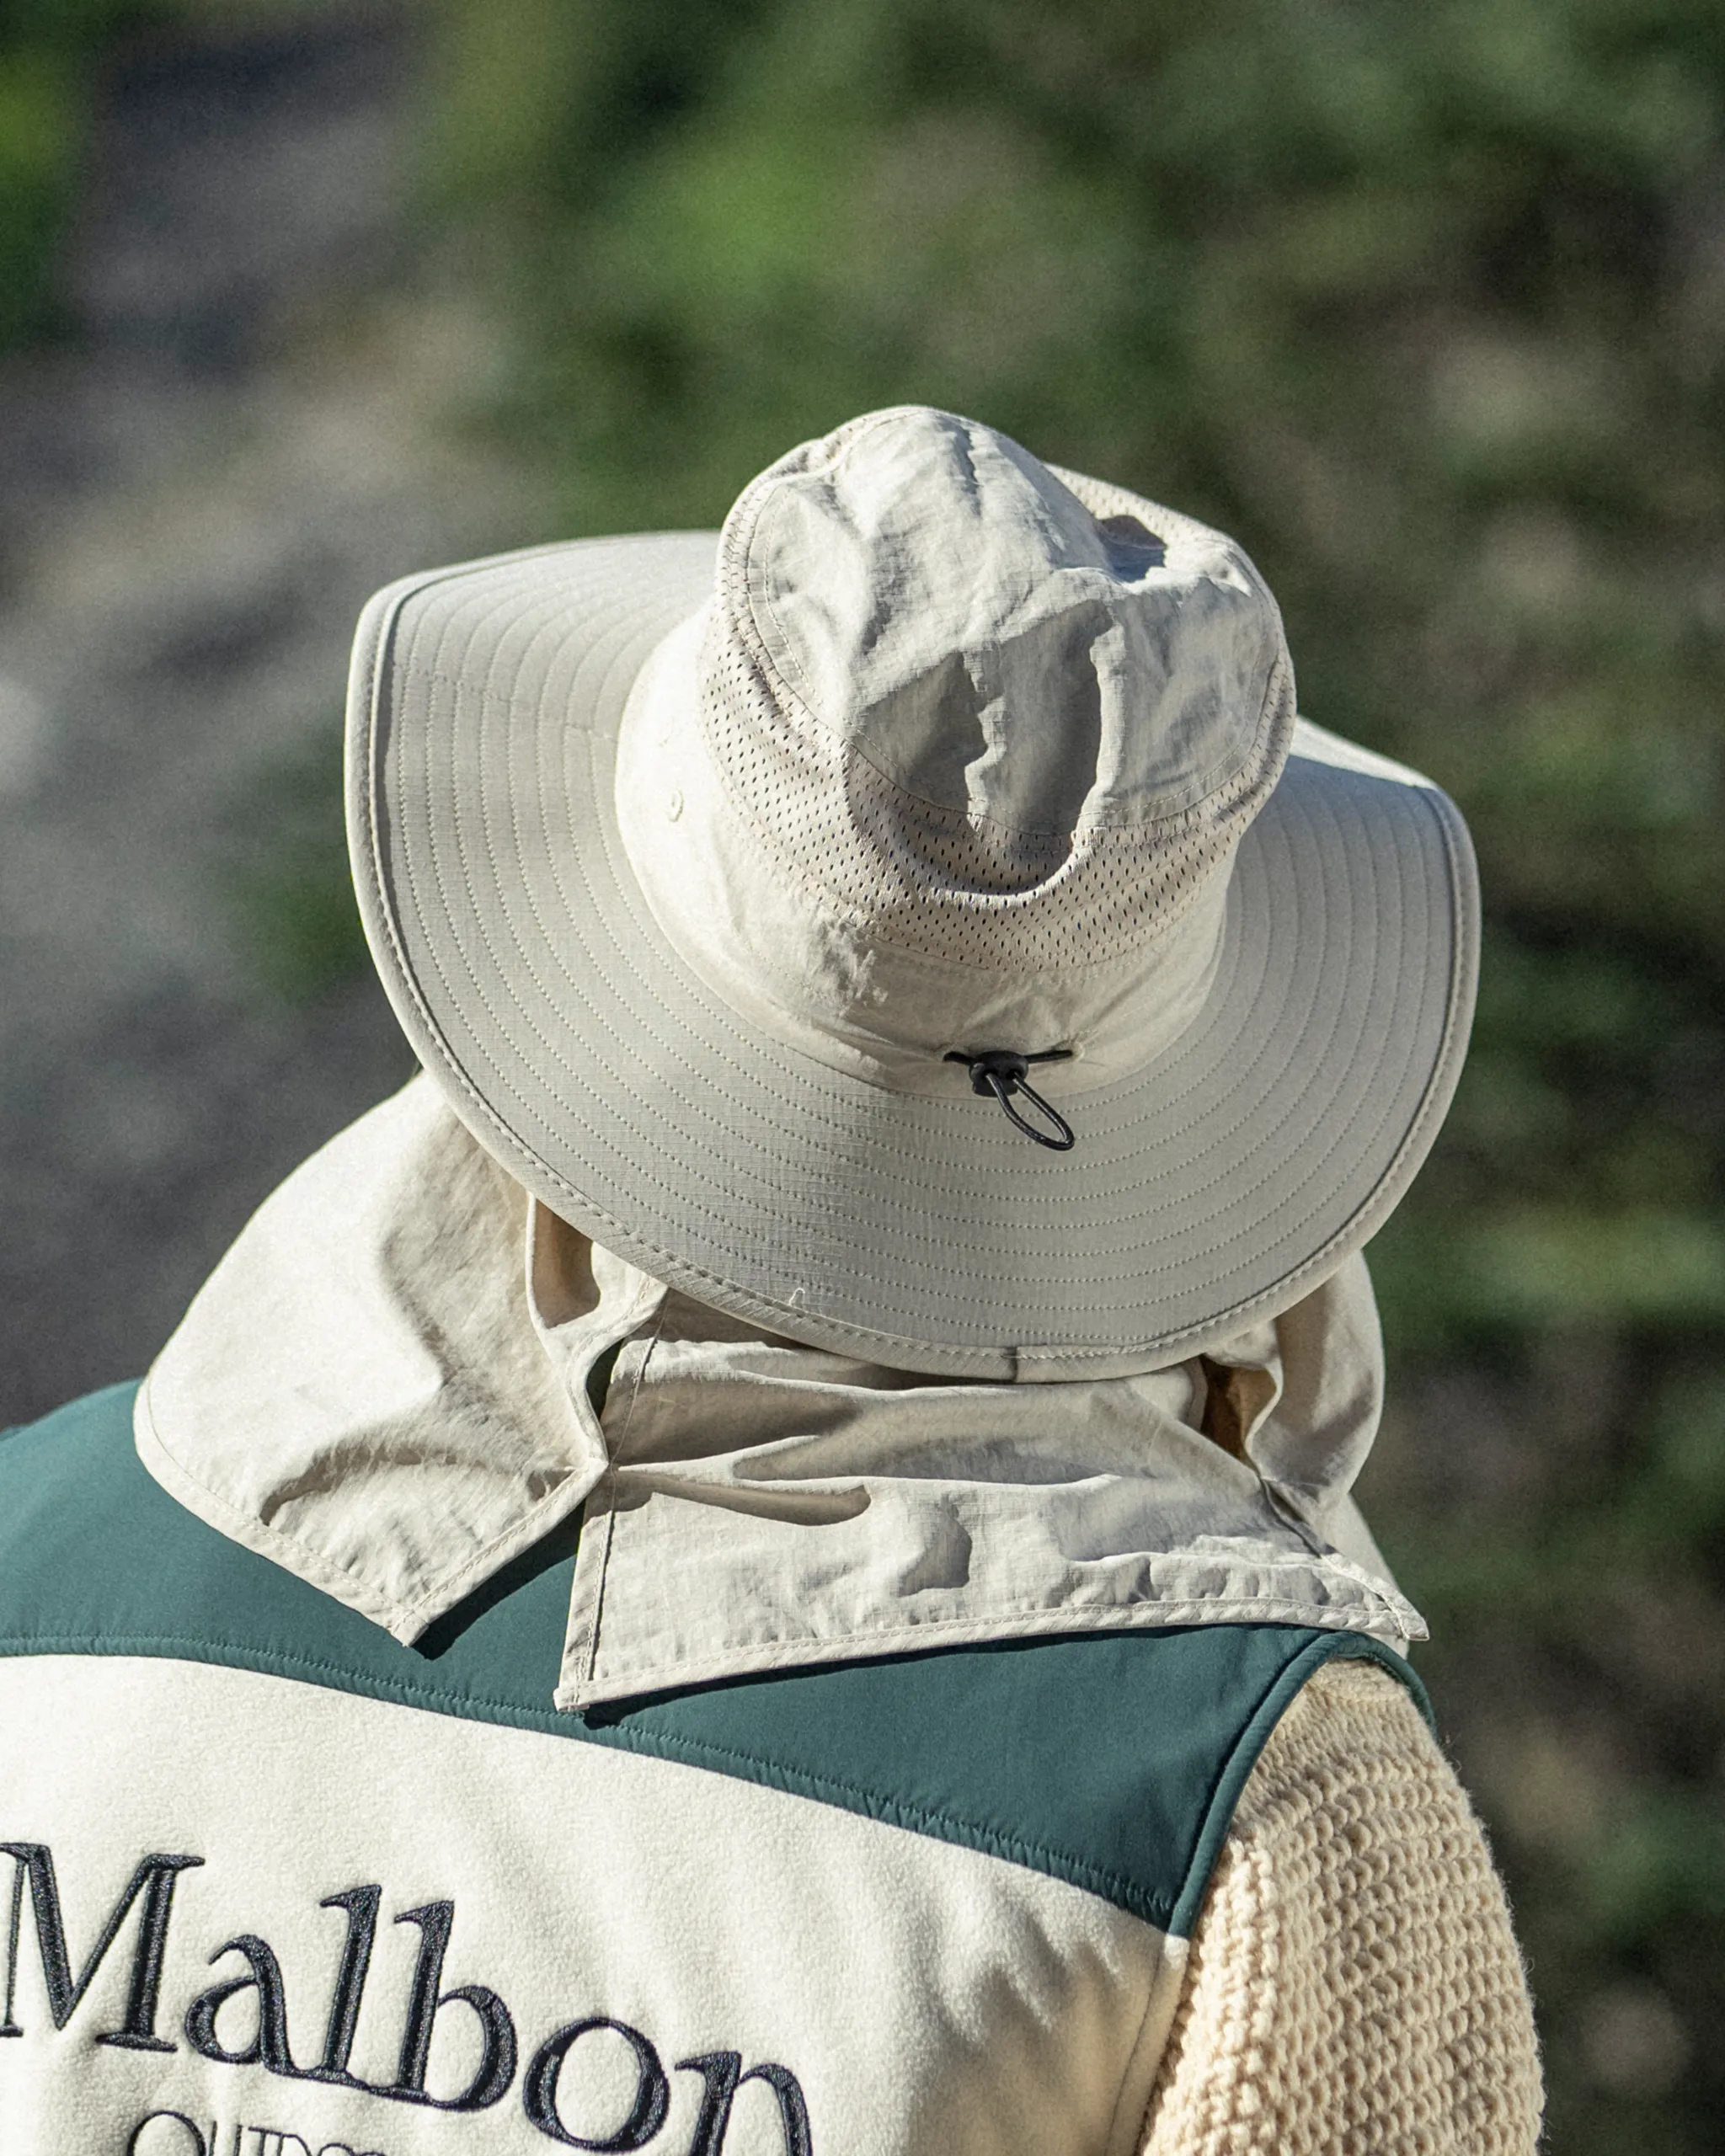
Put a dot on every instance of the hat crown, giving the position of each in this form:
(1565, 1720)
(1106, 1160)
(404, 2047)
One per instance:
(973, 713)
(973, 743)
(945, 606)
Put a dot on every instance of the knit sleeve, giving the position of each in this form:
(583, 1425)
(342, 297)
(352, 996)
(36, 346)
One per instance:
(1354, 1987)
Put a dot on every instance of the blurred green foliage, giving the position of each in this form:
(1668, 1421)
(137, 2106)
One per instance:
(52, 57)
(49, 50)
(282, 851)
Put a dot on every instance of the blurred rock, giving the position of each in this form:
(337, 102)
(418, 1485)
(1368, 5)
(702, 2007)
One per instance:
(1633, 2041)
(252, 432)
(239, 170)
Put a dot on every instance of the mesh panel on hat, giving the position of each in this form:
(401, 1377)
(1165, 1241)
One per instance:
(959, 888)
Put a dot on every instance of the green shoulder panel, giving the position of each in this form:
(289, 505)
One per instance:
(1112, 1760)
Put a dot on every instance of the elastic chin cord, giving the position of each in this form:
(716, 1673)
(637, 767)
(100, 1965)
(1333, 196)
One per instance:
(1001, 1072)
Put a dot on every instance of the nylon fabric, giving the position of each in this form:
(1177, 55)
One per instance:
(383, 1387)
(951, 759)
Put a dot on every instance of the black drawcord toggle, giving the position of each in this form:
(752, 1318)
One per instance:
(1001, 1072)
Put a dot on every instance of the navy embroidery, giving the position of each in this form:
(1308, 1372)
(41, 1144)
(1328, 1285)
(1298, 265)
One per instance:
(721, 2072)
(252, 2139)
(269, 2046)
(652, 2088)
(360, 1904)
(792, 2110)
(155, 1879)
(723, 2075)
(497, 2064)
(551, 2109)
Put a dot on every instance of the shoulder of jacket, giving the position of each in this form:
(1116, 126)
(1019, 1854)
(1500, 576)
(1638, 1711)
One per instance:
(1354, 1948)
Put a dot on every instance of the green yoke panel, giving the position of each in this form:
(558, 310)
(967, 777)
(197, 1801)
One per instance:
(1112, 1760)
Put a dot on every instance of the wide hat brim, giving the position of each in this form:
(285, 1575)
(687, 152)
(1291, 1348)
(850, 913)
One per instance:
(1215, 1185)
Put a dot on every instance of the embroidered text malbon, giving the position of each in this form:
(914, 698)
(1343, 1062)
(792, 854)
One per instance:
(269, 2044)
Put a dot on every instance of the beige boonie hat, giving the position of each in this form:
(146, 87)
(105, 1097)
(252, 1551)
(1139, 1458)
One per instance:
(777, 906)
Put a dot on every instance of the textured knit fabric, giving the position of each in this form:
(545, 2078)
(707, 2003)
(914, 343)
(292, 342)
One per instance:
(1354, 1987)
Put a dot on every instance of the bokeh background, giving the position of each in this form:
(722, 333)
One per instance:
(1426, 304)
